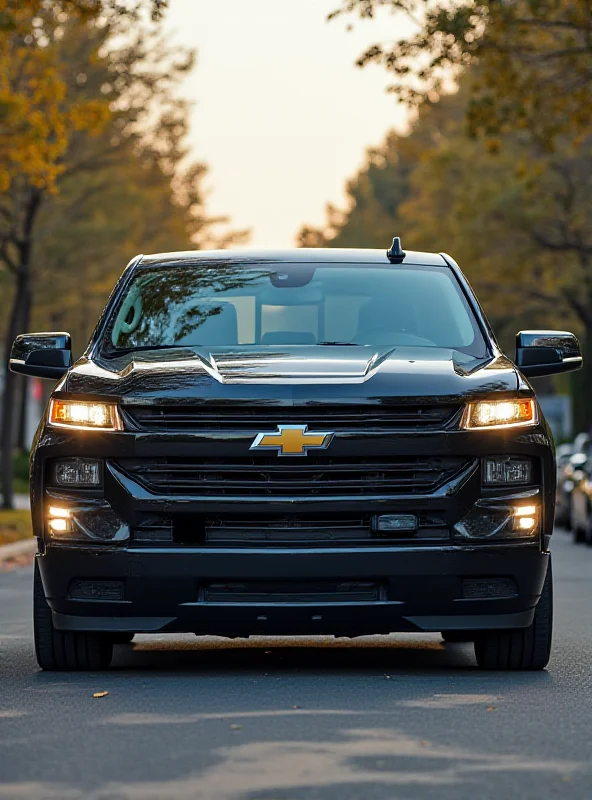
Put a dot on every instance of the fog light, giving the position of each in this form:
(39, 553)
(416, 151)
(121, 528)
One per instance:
(525, 518)
(525, 511)
(77, 472)
(90, 521)
(488, 520)
(102, 524)
(62, 513)
(59, 525)
(498, 471)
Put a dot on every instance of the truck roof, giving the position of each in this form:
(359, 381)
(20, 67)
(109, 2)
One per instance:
(294, 255)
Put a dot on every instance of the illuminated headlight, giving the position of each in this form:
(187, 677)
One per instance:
(487, 520)
(77, 472)
(84, 415)
(499, 414)
(86, 522)
(503, 470)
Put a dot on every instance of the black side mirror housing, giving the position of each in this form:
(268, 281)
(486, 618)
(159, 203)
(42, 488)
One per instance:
(42, 355)
(541, 353)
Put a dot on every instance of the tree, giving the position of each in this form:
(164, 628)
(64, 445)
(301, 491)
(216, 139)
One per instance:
(374, 196)
(519, 222)
(534, 60)
(376, 193)
(80, 119)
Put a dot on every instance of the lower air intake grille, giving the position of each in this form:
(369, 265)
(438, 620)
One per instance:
(268, 476)
(95, 590)
(290, 592)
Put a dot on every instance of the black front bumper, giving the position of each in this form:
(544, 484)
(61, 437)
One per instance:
(422, 589)
(420, 585)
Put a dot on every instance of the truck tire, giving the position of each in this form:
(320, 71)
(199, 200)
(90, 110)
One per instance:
(525, 648)
(64, 650)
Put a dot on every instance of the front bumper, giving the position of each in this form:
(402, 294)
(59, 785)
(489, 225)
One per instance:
(422, 589)
(419, 585)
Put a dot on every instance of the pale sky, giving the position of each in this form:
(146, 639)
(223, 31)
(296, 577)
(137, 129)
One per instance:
(282, 116)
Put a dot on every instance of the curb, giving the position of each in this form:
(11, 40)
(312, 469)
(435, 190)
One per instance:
(16, 549)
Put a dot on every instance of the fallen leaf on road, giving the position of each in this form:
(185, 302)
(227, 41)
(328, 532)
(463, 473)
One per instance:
(100, 694)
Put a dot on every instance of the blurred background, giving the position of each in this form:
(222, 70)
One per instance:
(146, 126)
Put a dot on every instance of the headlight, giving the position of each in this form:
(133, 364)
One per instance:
(499, 414)
(84, 415)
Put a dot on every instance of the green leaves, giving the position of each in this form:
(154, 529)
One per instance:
(534, 59)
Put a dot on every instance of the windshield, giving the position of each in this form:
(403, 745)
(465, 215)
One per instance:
(234, 304)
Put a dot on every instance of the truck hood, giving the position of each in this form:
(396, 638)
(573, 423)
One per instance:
(292, 374)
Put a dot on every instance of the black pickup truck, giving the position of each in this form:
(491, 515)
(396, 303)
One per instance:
(293, 442)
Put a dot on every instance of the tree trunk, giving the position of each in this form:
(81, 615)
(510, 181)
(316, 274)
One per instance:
(18, 314)
(10, 387)
(21, 438)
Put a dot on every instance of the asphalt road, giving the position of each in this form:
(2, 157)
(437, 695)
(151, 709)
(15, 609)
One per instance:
(373, 719)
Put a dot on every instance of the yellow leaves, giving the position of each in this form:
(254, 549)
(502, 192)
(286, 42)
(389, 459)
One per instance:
(40, 107)
(90, 116)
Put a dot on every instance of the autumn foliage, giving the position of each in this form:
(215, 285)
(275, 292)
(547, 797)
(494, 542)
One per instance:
(93, 166)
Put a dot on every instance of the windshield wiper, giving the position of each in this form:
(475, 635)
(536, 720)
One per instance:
(337, 344)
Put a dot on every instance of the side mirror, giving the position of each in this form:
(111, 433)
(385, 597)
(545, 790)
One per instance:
(42, 355)
(541, 353)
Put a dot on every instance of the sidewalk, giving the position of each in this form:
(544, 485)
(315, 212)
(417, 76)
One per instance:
(21, 501)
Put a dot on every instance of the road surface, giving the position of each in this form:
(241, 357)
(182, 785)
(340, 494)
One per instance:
(318, 719)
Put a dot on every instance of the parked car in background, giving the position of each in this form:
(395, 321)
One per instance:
(563, 456)
(580, 476)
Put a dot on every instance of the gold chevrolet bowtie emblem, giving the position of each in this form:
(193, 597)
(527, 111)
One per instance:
(292, 440)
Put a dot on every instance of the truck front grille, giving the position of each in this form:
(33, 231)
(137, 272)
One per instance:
(269, 477)
(185, 418)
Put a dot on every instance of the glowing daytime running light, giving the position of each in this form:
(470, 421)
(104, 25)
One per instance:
(525, 511)
(60, 513)
(84, 415)
(59, 525)
(499, 414)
